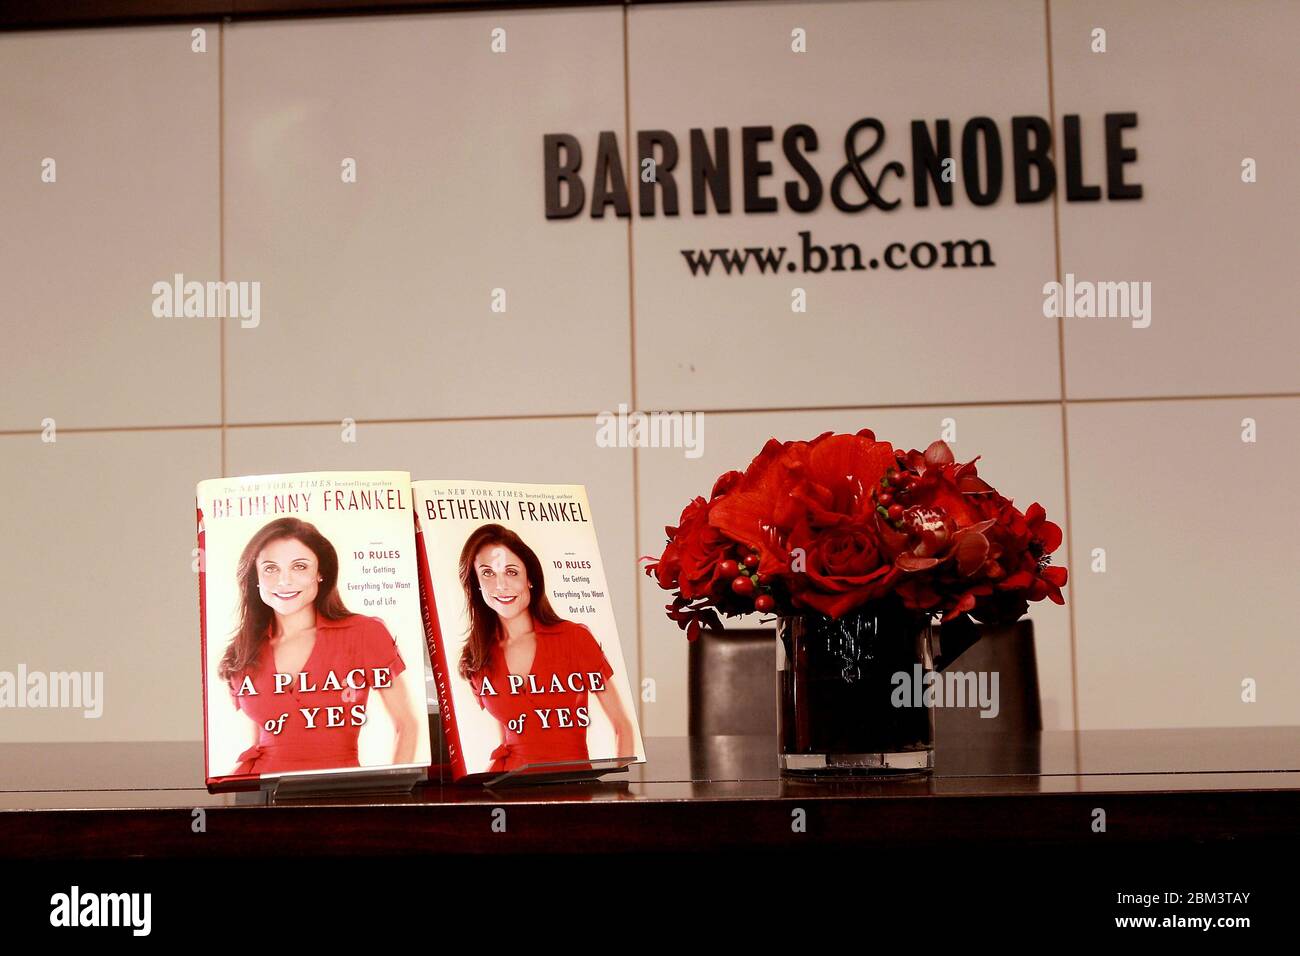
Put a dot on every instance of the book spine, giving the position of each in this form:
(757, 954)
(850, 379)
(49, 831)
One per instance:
(438, 658)
(232, 781)
(203, 638)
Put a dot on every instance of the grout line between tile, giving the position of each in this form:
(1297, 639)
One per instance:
(112, 429)
(631, 312)
(221, 215)
(567, 416)
(1060, 349)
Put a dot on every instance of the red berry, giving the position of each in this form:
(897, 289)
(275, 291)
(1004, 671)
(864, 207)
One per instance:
(751, 561)
(742, 586)
(764, 603)
(885, 498)
(895, 512)
(728, 569)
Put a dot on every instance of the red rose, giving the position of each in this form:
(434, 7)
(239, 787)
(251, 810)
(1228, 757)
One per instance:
(843, 569)
(695, 548)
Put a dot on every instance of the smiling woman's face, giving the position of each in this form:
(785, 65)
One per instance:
(287, 575)
(502, 579)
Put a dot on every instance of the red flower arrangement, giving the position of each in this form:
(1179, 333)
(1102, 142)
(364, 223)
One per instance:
(830, 525)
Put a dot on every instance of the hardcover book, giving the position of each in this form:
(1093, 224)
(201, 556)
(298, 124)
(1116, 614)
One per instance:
(313, 649)
(527, 663)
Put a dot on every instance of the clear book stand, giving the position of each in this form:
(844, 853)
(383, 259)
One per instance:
(387, 780)
(558, 772)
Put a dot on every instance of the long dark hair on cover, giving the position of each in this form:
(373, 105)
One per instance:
(255, 617)
(484, 624)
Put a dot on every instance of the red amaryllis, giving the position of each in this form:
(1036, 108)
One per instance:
(821, 484)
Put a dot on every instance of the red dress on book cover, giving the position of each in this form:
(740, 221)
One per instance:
(562, 649)
(341, 646)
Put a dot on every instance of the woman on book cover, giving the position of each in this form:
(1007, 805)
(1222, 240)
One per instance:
(513, 630)
(293, 622)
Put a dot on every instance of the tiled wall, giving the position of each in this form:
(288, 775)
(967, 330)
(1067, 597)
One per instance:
(376, 307)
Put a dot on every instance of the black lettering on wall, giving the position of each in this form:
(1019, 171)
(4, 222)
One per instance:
(609, 186)
(754, 169)
(1032, 156)
(1039, 169)
(562, 172)
(646, 141)
(1075, 188)
(1117, 155)
(713, 172)
(970, 161)
(927, 162)
(790, 144)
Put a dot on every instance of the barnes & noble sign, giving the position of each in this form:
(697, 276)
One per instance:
(984, 159)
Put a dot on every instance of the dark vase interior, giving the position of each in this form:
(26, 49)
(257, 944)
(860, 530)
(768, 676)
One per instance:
(838, 693)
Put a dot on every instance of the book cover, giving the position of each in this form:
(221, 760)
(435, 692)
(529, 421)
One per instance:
(527, 663)
(312, 640)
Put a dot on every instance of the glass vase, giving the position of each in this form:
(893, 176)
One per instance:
(849, 693)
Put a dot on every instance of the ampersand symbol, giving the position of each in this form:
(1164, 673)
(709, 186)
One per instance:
(854, 168)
